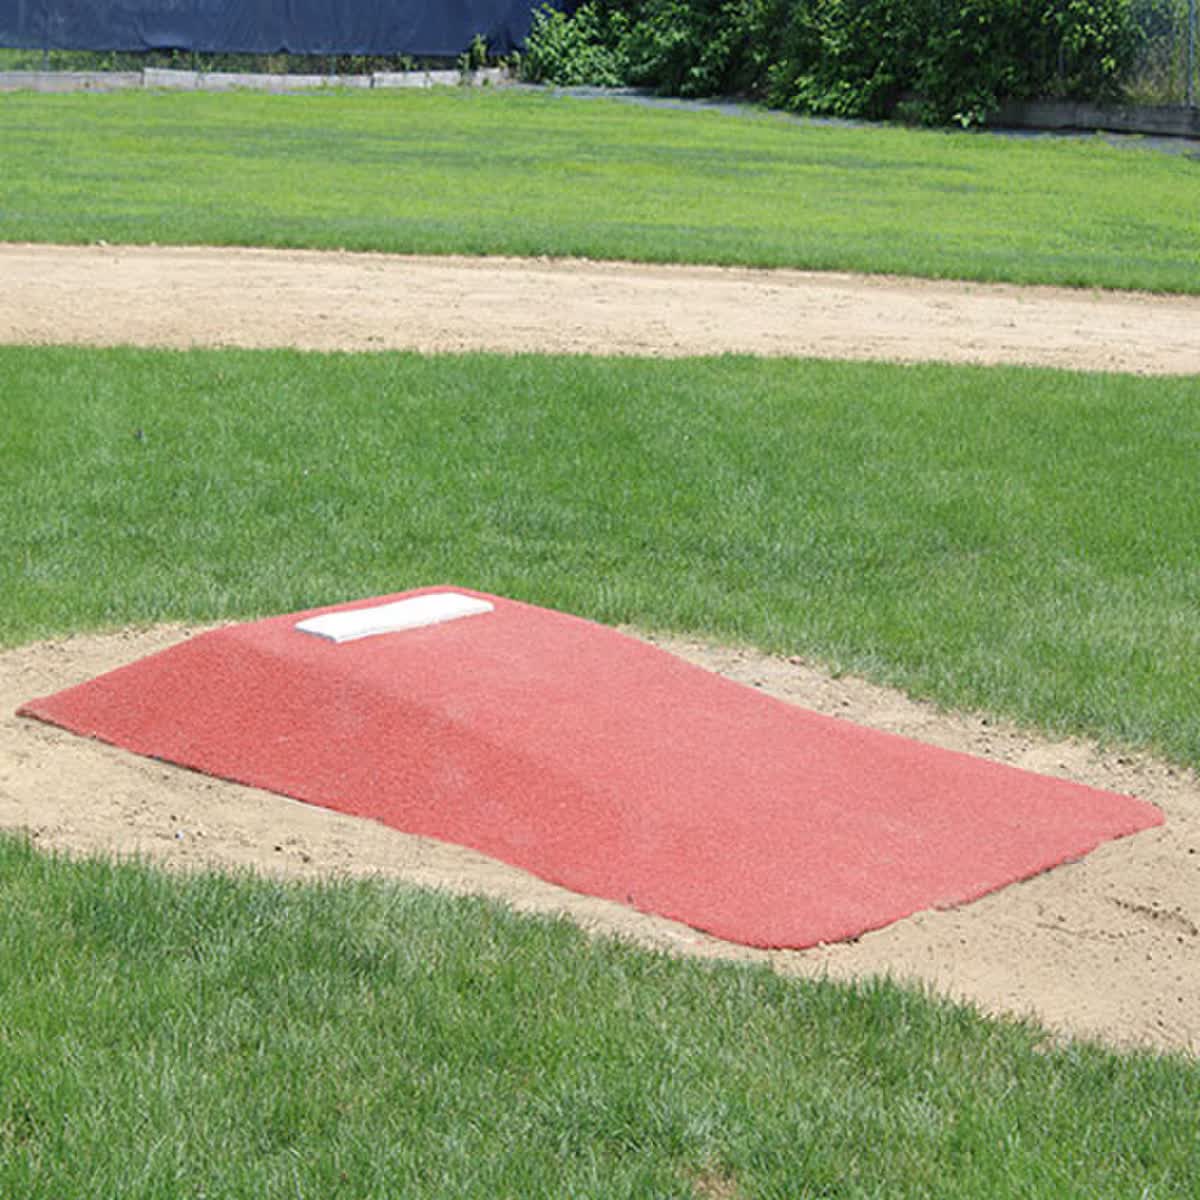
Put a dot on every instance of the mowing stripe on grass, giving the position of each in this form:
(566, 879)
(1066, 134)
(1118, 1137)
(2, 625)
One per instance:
(475, 172)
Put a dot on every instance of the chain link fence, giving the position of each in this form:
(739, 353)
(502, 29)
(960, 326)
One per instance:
(1166, 71)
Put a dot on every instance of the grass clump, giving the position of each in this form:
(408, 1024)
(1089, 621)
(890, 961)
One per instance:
(1007, 540)
(228, 1037)
(476, 172)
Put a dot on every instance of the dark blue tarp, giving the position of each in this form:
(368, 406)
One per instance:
(381, 27)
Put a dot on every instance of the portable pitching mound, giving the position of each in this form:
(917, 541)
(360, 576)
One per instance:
(595, 761)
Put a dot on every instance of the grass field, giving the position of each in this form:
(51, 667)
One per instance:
(1013, 540)
(1020, 541)
(468, 171)
(229, 1038)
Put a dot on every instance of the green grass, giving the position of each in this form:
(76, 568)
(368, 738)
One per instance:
(478, 172)
(1009, 540)
(226, 1037)
(1018, 541)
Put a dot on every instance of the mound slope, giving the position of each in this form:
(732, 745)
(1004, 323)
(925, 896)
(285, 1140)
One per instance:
(601, 763)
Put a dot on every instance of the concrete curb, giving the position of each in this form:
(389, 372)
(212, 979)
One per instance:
(214, 81)
(69, 81)
(1174, 120)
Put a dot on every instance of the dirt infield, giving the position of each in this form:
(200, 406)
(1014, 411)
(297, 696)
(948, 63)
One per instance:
(1108, 947)
(155, 296)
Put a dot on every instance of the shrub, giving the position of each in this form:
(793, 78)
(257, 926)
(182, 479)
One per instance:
(694, 47)
(941, 60)
(585, 48)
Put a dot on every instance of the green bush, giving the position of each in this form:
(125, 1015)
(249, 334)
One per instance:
(937, 60)
(940, 60)
(585, 48)
(691, 47)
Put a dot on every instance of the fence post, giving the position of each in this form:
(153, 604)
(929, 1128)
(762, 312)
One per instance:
(1191, 55)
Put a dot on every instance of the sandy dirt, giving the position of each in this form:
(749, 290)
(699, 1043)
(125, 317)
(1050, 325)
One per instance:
(154, 296)
(1106, 948)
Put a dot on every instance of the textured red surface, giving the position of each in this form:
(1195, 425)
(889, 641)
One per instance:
(603, 764)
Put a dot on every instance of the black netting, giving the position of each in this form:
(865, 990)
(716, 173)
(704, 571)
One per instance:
(433, 28)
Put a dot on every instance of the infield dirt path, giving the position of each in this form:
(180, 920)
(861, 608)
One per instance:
(200, 296)
(1108, 947)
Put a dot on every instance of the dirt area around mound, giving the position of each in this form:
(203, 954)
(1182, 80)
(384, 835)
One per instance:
(1107, 947)
(198, 296)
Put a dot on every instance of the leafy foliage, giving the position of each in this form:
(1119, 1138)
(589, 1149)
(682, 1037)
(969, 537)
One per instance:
(587, 48)
(939, 61)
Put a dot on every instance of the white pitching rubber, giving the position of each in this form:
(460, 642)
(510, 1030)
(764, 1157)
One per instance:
(413, 613)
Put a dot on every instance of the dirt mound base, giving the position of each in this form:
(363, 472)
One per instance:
(1106, 948)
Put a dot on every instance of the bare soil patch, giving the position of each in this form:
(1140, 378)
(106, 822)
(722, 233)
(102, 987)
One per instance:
(199, 296)
(1108, 947)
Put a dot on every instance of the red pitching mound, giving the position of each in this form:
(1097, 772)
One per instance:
(596, 762)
